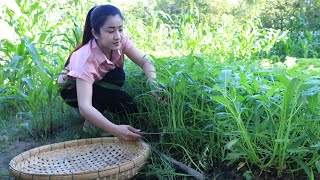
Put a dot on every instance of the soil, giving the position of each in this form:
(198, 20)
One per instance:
(10, 152)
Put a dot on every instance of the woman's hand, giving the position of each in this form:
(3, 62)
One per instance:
(126, 133)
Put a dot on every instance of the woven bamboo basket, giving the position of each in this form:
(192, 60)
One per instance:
(97, 158)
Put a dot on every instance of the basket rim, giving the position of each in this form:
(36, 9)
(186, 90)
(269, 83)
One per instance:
(138, 161)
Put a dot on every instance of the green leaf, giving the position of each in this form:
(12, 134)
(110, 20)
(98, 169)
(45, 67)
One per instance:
(225, 77)
(313, 102)
(232, 157)
(317, 164)
(290, 92)
(9, 12)
(298, 150)
(34, 54)
(221, 100)
(20, 51)
(272, 91)
(33, 7)
(282, 140)
(231, 143)
(200, 60)
(28, 82)
(283, 79)
(190, 79)
(303, 165)
(181, 86)
(316, 145)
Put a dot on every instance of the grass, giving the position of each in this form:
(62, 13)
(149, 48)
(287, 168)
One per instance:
(11, 131)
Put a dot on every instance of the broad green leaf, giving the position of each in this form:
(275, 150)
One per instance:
(200, 60)
(34, 54)
(221, 100)
(225, 77)
(190, 79)
(181, 86)
(231, 143)
(312, 91)
(272, 91)
(283, 79)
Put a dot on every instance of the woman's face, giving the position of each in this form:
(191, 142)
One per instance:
(111, 34)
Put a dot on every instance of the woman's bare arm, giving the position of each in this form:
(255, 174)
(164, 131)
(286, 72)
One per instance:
(138, 58)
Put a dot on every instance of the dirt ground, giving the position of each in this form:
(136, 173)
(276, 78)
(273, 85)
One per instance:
(13, 141)
(13, 150)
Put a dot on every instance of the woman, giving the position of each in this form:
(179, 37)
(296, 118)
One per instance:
(94, 72)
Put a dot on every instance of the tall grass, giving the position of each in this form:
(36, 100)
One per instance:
(221, 102)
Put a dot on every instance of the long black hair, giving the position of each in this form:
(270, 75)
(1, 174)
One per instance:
(95, 19)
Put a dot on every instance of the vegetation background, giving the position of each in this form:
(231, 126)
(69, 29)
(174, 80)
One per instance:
(241, 79)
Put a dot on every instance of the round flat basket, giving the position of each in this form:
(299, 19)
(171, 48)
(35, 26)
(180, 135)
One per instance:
(97, 158)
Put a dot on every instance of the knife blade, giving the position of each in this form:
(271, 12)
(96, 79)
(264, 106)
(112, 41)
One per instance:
(153, 133)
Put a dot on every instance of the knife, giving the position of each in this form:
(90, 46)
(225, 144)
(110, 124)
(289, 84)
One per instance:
(153, 133)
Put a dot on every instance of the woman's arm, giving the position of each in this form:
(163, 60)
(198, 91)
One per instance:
(84, 95)
(138, 58)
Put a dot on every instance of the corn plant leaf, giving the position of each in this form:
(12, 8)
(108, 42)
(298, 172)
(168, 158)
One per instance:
(34, 54)
(34, 6)
(28, 82)
(9, 12)
(14, 61)
(20, 51)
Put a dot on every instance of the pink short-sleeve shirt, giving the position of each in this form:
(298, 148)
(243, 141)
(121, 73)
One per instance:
(90, 64)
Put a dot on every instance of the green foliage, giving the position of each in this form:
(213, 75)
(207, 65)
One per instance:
(296, 15)
(33, 61)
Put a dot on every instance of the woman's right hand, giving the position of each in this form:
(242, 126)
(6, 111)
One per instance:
(126, 133)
